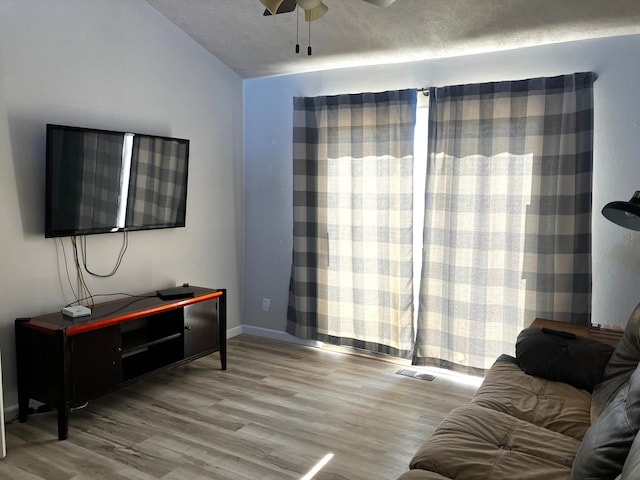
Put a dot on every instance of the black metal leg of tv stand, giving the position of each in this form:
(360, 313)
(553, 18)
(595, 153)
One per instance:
(63, 423)
(222, 328)
(22, 355)
(62, 404)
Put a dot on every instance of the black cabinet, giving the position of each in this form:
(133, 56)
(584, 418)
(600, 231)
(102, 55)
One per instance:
(63, 362)
(199, 332)
(95, 361)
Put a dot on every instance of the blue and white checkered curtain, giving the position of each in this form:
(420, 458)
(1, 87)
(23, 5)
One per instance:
(351, 276)
(507, 233)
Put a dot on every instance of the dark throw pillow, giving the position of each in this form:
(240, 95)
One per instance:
(562, 356)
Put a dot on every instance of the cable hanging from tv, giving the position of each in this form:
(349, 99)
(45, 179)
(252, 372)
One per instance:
(123, 250)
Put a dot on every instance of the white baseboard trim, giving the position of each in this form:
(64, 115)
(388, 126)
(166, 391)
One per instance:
(270, 334)
(234, 332)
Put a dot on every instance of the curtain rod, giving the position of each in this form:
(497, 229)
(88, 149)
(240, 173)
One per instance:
(425, 91)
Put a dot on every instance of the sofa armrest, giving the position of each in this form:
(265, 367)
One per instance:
(562, 356)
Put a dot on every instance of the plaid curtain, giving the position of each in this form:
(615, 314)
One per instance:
(507, 233)
(351, 275)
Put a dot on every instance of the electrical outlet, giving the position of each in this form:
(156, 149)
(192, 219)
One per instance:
(266, 304)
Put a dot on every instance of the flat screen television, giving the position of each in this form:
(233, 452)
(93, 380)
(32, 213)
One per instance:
(102, 181)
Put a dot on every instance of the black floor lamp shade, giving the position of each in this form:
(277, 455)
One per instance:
(625, 214)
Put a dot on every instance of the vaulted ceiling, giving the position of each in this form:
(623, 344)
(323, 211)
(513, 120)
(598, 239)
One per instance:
(354, 32)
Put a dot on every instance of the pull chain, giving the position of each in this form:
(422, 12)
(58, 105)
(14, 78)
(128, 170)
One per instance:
(297, 23)
(309, 47)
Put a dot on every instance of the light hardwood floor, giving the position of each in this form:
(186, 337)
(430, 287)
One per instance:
(276, 411)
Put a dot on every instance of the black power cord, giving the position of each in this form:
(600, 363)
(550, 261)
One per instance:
(123, 250)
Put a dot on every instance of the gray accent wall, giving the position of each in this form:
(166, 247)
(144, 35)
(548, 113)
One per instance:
(121, 65)
(268, 164)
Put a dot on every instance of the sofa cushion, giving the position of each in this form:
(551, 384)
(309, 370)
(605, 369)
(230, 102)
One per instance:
(622, 364)
(553, 405)
(562, 356)
(606, 444)
(474, 442)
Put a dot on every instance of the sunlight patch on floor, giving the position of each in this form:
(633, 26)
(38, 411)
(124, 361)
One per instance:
(319, 466)
(457, 377)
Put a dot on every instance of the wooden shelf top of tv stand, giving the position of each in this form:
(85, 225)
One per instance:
(611, 337)
(117, 311)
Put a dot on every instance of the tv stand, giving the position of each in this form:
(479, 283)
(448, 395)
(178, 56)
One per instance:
(64, 362)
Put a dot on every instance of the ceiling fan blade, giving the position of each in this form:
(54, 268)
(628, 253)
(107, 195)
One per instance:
(380, 3)
(313, 14)
(285, 7)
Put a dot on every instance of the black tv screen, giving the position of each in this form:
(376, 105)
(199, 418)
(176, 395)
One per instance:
(101, 181)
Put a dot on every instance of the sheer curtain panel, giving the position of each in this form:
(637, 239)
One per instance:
(507, 233)
(351, 275)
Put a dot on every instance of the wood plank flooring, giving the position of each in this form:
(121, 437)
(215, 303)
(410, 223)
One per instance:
(276, 411)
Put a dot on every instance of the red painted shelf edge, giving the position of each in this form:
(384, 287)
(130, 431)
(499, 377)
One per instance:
(69, 331)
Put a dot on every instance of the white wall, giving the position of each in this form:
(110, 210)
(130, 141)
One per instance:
(121, 65)
(268, 170)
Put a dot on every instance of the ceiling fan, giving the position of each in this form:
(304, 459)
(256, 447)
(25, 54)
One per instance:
(313, 9)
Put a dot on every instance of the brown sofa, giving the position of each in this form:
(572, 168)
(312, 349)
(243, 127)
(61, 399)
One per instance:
(563, 408)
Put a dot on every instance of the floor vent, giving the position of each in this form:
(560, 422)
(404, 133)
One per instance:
(414, 374)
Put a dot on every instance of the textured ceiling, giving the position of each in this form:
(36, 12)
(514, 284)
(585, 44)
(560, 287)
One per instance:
(354, 32)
